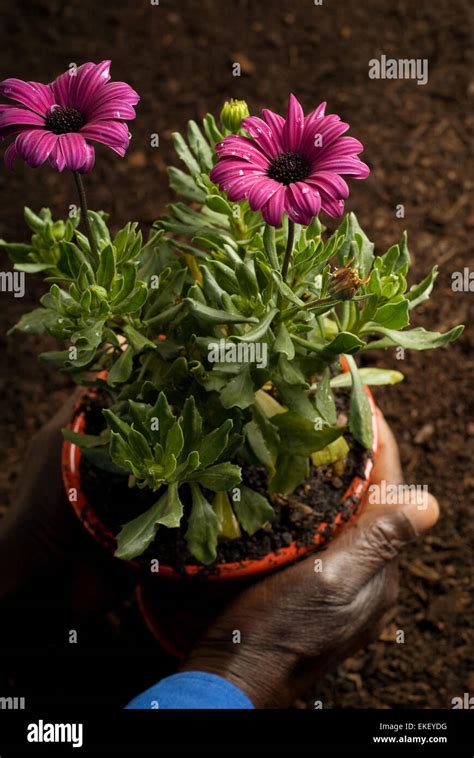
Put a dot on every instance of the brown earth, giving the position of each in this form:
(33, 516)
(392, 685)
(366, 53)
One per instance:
(179, 56)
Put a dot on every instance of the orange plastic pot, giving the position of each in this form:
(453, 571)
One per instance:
(352, 498)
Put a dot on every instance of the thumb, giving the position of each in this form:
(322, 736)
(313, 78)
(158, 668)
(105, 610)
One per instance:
(377, 538)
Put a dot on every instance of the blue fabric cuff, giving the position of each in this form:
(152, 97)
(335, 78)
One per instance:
(192, 689)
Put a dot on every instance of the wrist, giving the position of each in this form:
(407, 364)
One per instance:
(263, 676)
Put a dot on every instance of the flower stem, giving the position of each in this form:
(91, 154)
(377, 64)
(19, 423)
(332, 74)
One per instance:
(83, 203)
(289, 249)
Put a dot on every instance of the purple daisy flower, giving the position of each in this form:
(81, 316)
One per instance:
(291, 165)
(57, 120)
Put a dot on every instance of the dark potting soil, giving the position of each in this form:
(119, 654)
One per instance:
(298, 516)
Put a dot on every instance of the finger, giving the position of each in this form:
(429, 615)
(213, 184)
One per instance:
(387, 465)
(378, 537)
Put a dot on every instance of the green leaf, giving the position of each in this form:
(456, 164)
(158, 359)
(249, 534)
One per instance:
(393, 315)
(262, 436)
(106, 270)
(217, 204)
(184, 185)
(421, 291)
(216, 316)
(283, 342)
(214, 443)
(324, 399)
(185, 154)
(222, 476)
(360, 412)
(133, 302)
(344, 342)
(35, 321)
(415, 339)
(122, 368)
(239, 392)
(203, 528)
(192, 425)
(258, 331)
(253, 510)
(200, 147)
(135, 536)
(85, 440)
(228, 525)
(100, 457)
(291, 471)
(137, 340)
(370, 376)
(269, 244)
(300, 436)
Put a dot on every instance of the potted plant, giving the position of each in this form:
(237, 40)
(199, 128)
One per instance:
(225, 427)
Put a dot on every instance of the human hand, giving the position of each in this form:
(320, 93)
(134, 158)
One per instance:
(299, 623)
(42, 542)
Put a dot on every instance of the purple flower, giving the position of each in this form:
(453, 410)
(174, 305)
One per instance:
(58, 120)
(291, 165)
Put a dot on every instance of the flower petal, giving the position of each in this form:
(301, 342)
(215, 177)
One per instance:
(329, 205)
(91, 78)
(115, 91)
(328, 130)
(293, 129)
(276, 124)
(261, 192)
(114, 134)
(302, 202)
(352, 166)
(272, 211)
(90, 159)
(332, 183)
(56, 157)
(244, 148)
(239, 188)
(112, 110)
(10, 155)
(12, 116)
(63, 88)
(227, 168)
(37, 97)
(262, 135)
(74, 149)
(34, 146)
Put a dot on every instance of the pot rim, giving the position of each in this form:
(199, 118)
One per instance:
(70, 463)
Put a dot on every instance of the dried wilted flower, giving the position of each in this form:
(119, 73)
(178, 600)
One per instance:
(344, 283)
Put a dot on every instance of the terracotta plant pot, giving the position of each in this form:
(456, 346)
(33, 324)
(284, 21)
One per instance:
(350, 505)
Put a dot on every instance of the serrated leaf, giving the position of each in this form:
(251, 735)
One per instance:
(360, 412)
(239, 392)
(203, 528)
(253, 510)
(222, 476)
(324, 399)
(300, 436)
(122, 368)
(135, 536)
(415, 339)
(290, 471)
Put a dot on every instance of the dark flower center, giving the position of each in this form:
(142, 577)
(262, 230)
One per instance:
(63, 120)
(289, 167)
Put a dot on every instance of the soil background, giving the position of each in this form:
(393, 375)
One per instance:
(179, 55)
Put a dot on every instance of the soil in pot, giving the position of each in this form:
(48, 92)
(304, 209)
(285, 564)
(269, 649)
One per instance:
(297, 516)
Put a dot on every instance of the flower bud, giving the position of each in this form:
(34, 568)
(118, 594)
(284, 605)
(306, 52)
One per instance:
(232, 113)
(344, 283)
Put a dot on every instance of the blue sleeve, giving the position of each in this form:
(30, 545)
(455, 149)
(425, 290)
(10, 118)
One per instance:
(192, 689)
